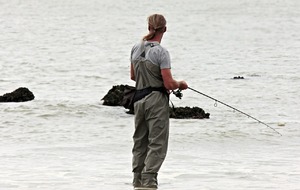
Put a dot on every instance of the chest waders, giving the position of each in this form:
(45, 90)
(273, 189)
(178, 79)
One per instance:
(151, 122)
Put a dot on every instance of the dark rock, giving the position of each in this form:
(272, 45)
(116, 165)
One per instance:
(238, 77)
(188, 113)
(21, 94)
(114, 97)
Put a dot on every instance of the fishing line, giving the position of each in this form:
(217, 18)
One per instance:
(235, 109)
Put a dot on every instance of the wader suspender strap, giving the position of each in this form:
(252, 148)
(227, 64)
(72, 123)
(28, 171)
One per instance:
(143, 54)
(144, 92)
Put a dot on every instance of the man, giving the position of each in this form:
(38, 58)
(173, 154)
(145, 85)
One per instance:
(151, 69)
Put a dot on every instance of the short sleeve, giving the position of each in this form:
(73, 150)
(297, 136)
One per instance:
(165, 61)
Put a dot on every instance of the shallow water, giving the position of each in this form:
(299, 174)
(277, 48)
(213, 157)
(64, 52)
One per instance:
(70, 53)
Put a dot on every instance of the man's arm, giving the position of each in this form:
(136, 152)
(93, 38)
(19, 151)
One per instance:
(132, 76)
(170, 83)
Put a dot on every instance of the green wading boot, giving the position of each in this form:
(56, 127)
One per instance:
(149, 182)
(137, 180)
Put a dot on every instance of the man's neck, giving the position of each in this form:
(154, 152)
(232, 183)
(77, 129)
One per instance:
(157, 38)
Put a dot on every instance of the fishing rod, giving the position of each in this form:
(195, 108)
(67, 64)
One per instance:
(233, 109)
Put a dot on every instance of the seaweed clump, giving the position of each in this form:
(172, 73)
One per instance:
(115, 95)
(188, 113)
(21, 94)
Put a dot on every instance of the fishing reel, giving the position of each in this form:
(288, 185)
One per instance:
(177, 93)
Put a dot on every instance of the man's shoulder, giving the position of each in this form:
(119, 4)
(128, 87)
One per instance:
(157, 47)
(137, 45)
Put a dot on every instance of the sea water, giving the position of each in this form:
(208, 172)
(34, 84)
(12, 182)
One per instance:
(70, 53)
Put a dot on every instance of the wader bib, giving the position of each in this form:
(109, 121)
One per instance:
(151, 121)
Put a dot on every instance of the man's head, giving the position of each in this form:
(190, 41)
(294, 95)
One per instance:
(156, 25)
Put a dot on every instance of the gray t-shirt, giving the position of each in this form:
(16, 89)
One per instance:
(155, 53)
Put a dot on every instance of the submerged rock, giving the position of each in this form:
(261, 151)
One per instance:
(188, 113)
(114, 97)
(238, 77)
(21, 94)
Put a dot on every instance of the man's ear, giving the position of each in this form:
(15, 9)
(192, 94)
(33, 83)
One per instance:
(165, 29)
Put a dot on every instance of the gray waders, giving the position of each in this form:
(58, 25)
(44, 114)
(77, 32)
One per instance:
(150, 138)
(151, 118)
